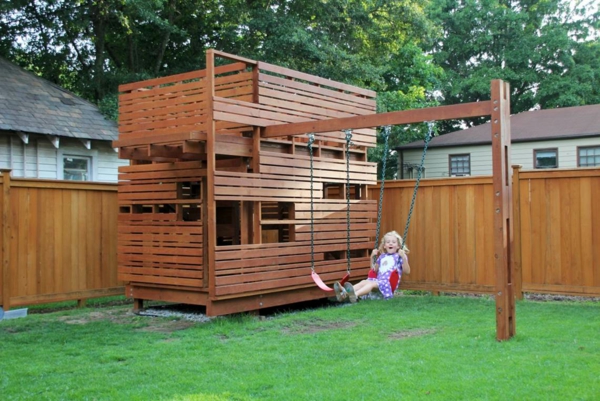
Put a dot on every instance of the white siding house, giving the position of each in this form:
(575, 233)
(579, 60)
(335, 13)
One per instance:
(47, 132)
(553, 138)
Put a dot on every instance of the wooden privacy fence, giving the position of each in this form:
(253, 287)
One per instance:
(556, 246)
(59, 241)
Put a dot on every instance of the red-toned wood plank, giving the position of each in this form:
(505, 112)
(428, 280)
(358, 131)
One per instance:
(315, 79)
(475, 109)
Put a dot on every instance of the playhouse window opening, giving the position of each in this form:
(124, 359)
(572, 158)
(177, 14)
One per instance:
(277, 232)
(143, 209)
(228, 223)
(338, 190)
(190, 212)
(125, 209)
(342, 255)
(189, 190)
(166, 208)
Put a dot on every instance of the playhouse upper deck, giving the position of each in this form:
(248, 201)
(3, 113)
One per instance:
(171, 115)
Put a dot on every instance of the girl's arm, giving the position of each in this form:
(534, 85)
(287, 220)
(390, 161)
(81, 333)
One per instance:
(405, 265)
(374, 259)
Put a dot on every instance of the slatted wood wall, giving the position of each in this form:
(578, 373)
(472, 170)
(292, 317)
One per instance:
(160, 229)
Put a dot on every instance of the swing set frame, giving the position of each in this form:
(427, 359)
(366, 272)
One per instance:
(218, 161)
(498, 110)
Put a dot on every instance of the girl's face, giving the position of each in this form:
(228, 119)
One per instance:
(391, 244)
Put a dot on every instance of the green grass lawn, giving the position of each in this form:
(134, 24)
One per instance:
(412, 347)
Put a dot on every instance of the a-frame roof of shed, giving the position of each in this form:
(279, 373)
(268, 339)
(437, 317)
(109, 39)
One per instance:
(32, 105)
(529, 126)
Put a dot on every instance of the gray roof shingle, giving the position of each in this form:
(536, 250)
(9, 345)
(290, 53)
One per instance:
(536, 125)
(31, 104)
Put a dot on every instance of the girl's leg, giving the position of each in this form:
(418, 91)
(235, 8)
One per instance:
(358, 286)
(365, 288)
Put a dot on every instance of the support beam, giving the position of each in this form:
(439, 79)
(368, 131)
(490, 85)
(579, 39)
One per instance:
(210, 220)
(467, 110)
(503, 221)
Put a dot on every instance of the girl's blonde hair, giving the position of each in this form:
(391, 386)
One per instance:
(403, 249)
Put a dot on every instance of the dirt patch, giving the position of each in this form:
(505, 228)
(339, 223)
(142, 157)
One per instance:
(400, 335)
(560, 298)
(124, 315)
(316, 326)
(166, 326)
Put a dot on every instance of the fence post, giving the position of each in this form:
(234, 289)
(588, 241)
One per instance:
(5, 269)
(517, 263)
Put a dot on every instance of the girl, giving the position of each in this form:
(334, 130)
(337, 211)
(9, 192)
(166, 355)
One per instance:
(385, 272)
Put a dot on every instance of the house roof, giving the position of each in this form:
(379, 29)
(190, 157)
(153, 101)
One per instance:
(536, 125)
(30, 104)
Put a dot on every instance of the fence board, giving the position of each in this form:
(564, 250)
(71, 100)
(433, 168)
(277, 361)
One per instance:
(61, 243)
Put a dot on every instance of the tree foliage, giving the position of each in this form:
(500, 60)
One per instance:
(406, 50)
(545, 49)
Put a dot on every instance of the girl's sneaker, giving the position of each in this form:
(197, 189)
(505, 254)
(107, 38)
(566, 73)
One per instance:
(340, 292)
(350, 292)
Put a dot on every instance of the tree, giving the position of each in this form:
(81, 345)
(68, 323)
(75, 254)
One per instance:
(543, 48)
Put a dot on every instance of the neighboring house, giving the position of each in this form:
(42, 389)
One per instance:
(554, 138)
(47, 132)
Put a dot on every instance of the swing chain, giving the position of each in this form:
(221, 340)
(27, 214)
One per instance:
(428, 138)
(386, 135)
(348, 133)
(311, 140)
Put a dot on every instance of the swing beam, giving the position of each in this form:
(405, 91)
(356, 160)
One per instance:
(498, 109)
(465, 110)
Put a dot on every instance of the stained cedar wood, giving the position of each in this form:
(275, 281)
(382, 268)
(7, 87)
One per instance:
(50, 249)
(476, 109)
(500, 134)
(315, 98)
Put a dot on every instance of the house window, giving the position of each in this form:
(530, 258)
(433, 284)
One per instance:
(460, 165)
(589, 156)
(545, 158)
(76, 168)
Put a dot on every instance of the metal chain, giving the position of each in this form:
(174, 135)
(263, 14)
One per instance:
(412, 203)
(386, 135)
(311, 140)
(348, 138)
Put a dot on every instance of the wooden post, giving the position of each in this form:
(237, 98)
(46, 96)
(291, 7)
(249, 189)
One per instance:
(5, 269)
(210, 225)
(505, 300)
(517, 262)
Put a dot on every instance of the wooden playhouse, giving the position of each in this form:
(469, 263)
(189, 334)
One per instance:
(212, 212)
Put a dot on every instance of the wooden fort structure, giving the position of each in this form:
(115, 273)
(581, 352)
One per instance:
(222, 204)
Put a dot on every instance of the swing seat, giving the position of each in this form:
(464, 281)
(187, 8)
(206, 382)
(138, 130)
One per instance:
(321, 284)
(394, 278)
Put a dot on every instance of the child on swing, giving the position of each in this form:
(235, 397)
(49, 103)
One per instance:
(386, 270)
